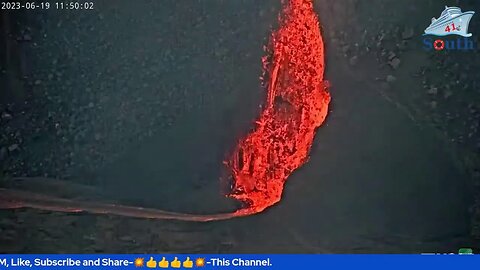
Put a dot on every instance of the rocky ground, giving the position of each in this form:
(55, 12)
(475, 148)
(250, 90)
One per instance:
(441, 89)
(91, 86)
(109, 235)
(86, 101)
(103, 95)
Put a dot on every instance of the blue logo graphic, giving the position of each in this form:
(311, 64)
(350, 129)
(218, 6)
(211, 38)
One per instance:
(452, 21)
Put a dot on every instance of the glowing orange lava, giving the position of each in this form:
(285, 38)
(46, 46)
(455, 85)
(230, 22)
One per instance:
(297, 104)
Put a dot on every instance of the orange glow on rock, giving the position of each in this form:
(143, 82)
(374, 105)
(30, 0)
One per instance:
(297, 104)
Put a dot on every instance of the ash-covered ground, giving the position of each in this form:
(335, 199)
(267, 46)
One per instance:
(143, 101)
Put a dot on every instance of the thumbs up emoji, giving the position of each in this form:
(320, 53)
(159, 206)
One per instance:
(151, 263)
(163, 263)
(187, 263)
(175, 263)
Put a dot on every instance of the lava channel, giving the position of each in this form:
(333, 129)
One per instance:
(296, 105)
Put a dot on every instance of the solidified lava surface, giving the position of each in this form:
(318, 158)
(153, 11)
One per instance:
(297, 104)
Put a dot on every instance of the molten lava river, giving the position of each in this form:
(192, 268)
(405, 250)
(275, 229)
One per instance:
(296, 105)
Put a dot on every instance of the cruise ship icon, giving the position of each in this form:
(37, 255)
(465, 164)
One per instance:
(452, 21)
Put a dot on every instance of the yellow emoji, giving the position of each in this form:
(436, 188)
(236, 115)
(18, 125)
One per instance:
(200, 262)
(163, 263)
(152, 263)
(187, 263)
(175, 263)
(138, 262)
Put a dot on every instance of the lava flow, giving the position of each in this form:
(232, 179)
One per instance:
(296, 105)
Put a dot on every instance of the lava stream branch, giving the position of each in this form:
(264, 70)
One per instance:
(297, 104)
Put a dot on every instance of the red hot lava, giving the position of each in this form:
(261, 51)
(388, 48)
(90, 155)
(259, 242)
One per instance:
(297, 104)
